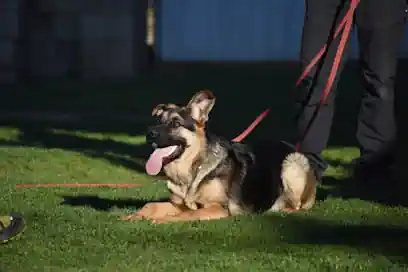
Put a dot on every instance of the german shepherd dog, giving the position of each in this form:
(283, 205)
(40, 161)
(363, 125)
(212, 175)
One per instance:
(212, 178)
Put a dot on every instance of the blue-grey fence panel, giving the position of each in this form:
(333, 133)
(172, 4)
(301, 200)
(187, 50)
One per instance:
(230, 30)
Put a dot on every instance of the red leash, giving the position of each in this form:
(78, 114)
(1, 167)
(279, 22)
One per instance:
(345, 25)
(251, 127)
(80, 185)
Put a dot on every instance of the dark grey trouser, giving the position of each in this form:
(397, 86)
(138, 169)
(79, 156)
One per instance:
(380, 26)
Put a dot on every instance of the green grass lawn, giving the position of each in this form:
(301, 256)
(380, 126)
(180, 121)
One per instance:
(79, 230)
(74, 229)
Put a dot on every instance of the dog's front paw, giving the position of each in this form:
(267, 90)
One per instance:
(163, 220)
(190, 203)
(133, 217)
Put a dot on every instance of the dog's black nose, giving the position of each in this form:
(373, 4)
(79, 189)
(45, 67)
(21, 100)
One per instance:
(152, 134)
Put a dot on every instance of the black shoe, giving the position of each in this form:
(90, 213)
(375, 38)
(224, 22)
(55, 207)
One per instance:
(374, 169)
(11, 226)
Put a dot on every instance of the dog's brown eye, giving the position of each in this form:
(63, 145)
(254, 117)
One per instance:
(176, 123)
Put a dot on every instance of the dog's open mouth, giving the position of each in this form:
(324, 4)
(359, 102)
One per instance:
(161, 157)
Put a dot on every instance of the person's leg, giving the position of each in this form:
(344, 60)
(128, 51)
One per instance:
(321, 20)
(380, 31)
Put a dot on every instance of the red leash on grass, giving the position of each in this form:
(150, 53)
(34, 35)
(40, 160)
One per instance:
(80, 185)
(345, 25)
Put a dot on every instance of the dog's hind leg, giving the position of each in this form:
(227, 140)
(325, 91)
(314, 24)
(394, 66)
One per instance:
(308, 204)
(309, 198)
(279, 205)
(296, 180)
(235, 209)
(282, 204)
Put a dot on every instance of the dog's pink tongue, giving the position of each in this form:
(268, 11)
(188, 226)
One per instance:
(155, 162)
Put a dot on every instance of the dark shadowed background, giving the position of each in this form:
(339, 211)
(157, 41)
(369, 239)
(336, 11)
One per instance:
(102, 65)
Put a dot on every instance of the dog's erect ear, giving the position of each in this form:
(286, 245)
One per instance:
(201, 105)
(159, 109)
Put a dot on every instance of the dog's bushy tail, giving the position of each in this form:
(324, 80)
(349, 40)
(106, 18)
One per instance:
(296, 174)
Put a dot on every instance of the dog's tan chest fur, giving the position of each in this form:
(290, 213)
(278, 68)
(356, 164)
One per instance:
(178, 173)
(212, 191)
(193, 187)
(209, 193)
